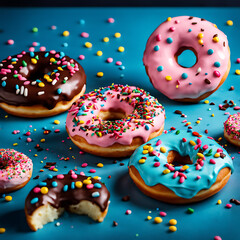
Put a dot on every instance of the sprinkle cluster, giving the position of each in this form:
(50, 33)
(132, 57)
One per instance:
(232, 125)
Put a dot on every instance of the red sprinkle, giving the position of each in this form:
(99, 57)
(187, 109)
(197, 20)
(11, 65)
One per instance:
(163, 214)
(228, 205)
(217, 73)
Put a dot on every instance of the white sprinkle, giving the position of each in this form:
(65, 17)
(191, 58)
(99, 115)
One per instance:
(4, 78)
(22, 90)
(57, 224)
(54, 82)
(199, 70)
(66, 78)
(41, 93)
(25, 92)
(24, 71)
(1, 64)
(33, 83)
(18, 91)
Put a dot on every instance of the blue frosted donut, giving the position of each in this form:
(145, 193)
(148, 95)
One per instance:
(180, 167)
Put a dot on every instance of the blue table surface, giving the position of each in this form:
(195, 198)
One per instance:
(135, 26)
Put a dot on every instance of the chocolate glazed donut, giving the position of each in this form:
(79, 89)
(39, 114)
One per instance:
(40, 84)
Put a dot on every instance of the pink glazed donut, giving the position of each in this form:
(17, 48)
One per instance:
(169, 40)
(113, 121)
(15, 170)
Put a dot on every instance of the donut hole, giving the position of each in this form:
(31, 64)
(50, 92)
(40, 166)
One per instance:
(37, 72)
(176, 159)
(112, 114)
(186, 57)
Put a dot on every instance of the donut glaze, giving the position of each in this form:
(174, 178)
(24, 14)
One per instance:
(40, 78)
(143, 116)
(206, 159)
(169, 40)
(15, 170)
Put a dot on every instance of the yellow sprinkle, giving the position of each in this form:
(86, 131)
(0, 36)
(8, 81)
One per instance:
(169, 19)
(237, 72)
(44, 190)
(52, 60)
(33, 60)
(216, 39)
(78, 184)
(229, 22)
(206, 101)
(81, 122)
(173, 222)
(43, 140)
(166, 171)
(149, 217)
(87, 181)
(197, 121)
(117, 35)
(150, 149)
(185, 167)
(46, 76)
(145, 151)
(88, 45)
(14, 62)
(8, 198)
(41, 170)
(41, 84)
(192, 143)
(41, 161)
(99, 134)
(35, 155)
(168, 78)
(212, 115)
(55, 170)
(200, 155)
(99, 53)
(141, 161)
(49, 80)
(163, 149)
(200, 35)
(219, 202)
(66, 33)
(173, 228)
(200, 41)
(6, 116)
(56, 122)
(100, 74)
(145, 147)
(97, 178)
(100, 165)
(15, 144)
(106, 39)
(60, 69)
(215, 25)
(121, 49)
(158, 220)
(2, 230)
(217, 155)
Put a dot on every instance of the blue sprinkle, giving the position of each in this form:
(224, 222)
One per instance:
(189, 30)
(95, 194)
(31, 54)
(184, 76)
(54, 184)
(55, 70)
(38, 80)
(122, 67)
(122, 76)
(46, 54)
(41, 184)
(65, 188)
(4, 83)
(189, 130)
(147, 127)
(62, 54)
(190, 83)
(157, 159)
(34, 200)
(82, 21)
(59, 91)
(72, 185)
(169, 40)
(37, 43)
(97, 185)
(102, 105)
(156, 48)
(206, 73)
(92, 112)
(210, 51)
(17, 87)
(217, 64)
(50, 176)
(160, 68)
(14, 59)
(65, 44)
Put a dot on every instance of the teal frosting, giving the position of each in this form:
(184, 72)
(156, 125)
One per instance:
(194, 180)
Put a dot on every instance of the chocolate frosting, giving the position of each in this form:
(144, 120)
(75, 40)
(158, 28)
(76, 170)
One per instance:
(57, 197)
(21, 74)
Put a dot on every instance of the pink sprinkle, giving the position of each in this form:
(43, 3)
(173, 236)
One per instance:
(111, 20)
(228, 205)
(184, 121)
(16, 132)
(219, 150)
(81, 57)
(82, 173)
(238, 60)
(10, 42)
(84, 34)
(89, 186)
(74, 176)
(217, 238)
(81, 152)
(28, 133)
(53, 27)
(156, 164)
(177, 21)
(109, 60)
(158, 142)
(36, 190)
(119, 63)
(198, 177)
(172, 29)
(216, 73)
(57, 130)
(84, 165)
(29, 139)
(182, 179)
(31, 49)
(51, 168)
(175, 174)
(128, 212)
(60, 176)
(205, 147)
(163, 214)
(236, 108)
(42, 49)
(35, 44)
(158, 37)
(92, 170)
(198, 167)
(53, 52)
(184, 139)
(212, 161)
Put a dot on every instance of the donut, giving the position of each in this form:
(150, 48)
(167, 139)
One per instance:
(72, 192)
(232, 129)
(169, 40)
(113, 121)
(15, 170)
(180, 167)
(40, 84)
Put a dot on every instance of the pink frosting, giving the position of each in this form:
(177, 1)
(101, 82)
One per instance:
(212, 57)
(144, 115)
(15, 168)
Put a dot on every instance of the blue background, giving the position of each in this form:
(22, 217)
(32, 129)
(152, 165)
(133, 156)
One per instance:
(135, 25)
